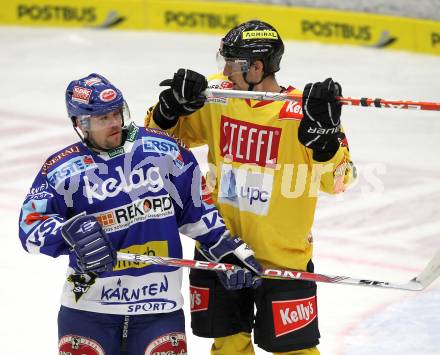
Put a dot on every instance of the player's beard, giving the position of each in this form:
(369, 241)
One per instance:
(111, 141)
(114, 140)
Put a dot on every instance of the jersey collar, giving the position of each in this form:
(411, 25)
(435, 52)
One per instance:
(256, 104)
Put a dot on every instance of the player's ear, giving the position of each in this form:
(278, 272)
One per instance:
(78, 124)
(258, 66)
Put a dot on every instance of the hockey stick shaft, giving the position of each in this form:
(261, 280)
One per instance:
(364, 101)
(433, 269)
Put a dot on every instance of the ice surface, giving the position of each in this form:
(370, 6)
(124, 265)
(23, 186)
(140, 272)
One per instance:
(386, 227)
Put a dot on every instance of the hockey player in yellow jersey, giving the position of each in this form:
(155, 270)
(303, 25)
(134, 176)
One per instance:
(267, 162)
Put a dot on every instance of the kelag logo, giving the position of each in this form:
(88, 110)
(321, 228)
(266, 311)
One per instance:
(201, 19)
(147, 180)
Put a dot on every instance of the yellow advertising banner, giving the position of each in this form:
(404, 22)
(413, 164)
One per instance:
(326, 26)
(127, 14)
(305, 24)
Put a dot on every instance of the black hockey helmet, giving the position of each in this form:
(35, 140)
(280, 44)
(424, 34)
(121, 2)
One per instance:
(254, 40)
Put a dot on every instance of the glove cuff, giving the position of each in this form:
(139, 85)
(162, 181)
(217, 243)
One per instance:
(162, 120)
(217, 251)
(243, 252)
(323, 156)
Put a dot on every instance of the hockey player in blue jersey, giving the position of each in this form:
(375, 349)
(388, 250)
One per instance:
(129, 189)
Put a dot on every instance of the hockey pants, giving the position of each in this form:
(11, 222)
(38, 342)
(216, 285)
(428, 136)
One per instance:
(241, 343)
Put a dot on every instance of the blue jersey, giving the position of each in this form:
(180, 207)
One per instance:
(143, 194)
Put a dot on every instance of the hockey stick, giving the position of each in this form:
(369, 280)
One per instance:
(364, 101)
(430, 273)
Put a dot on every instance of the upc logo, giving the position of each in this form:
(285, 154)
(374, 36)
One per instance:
(254, 194)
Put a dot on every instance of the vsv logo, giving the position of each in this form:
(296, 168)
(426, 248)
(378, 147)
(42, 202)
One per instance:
(199, 298)
(46, 229)
(149, 179)
(211, 219)
(291, 315)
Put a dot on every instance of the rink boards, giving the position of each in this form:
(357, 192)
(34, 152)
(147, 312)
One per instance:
(322, 25)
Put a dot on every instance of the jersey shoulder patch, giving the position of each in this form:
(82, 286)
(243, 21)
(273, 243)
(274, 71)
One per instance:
(219, 82)
(171, 137)
(291, 110)
(157, 141)
(60, 156)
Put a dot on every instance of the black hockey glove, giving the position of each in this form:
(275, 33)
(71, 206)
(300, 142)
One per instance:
(321, 125)
(237, 279)
(93, 249)
(183, 98)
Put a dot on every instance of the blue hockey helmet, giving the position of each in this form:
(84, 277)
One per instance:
(93, 95)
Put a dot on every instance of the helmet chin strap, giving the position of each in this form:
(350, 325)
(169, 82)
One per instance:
(252, 85)
(87, 142)
(94, 147)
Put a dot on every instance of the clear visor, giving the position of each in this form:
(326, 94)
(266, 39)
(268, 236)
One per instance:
(117, 119)
(230, 66)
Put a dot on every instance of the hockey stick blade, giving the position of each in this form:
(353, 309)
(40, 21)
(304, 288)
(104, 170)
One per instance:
(430, 273)
(418, 283)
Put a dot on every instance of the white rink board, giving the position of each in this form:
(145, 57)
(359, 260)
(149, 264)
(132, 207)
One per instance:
(386, 228)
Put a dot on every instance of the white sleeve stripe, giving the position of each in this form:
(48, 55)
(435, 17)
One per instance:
(243, 252)
(183, 86)
(201, 227)
(211, 257)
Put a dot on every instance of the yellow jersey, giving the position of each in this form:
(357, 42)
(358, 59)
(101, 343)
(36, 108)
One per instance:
(263, 180)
